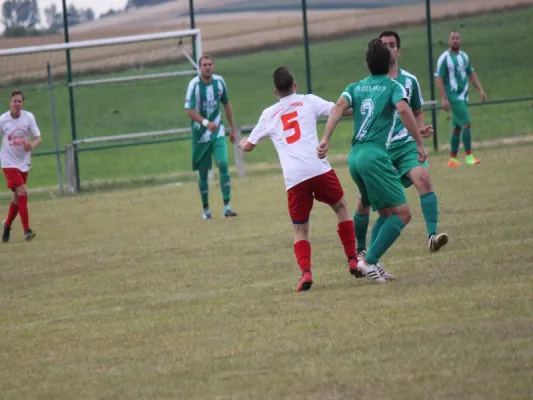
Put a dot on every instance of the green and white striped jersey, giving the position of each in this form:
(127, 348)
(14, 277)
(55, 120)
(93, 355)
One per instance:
(206, 100)
(454, 69)
(400, 135)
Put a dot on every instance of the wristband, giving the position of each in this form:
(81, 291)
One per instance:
(205, 122)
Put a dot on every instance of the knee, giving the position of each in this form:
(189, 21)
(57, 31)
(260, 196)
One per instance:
(467, 126)
(222, 166)
(341, 205)
(404, 213)
(423, 182)
(456, 131)
(361, 208)
(20, 191)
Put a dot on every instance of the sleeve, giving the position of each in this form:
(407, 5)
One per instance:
(416, 98)
(34, 129)
(442, 69)
(321, 107)
(260, 131)
(190, 97)
(398, 93)
(225, 95)
(347, 95)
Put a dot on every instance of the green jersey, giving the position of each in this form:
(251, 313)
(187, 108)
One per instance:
(205, 99)
(374, 100)
(401, 135)
(454, 69)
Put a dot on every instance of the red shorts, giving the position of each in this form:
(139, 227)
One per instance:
(326, 188)
(15, 177)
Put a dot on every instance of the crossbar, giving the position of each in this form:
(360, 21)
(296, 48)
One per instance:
(113, 138)
(99, 42)
(92, 82)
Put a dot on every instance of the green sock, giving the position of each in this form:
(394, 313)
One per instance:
(376, 228)
(225, 185)
(360, 222)
(467, 139)
(455, 141)
(430, 209)
(388, 234)
(203, 186)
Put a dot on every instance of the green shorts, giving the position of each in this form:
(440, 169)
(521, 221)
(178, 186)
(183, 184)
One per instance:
(405, 158)
(460, 115)
(203, 153)
(378, 181)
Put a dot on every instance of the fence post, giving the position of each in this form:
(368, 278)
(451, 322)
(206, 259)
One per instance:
(238, 153)
(431, 78)
(70, 169)
(54, 126)
(306, 45)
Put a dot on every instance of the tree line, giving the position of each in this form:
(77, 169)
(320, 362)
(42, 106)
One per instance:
(23, 17)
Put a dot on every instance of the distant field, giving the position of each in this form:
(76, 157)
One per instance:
(130, 295)
(154, 105)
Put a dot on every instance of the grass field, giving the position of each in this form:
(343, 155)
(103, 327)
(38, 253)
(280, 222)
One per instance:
(130, 295)
(499, 60)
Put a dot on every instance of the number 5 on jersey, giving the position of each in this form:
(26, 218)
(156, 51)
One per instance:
(290, 123)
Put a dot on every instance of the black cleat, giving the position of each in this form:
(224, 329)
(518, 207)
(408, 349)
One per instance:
(29, 235)
(6, 234)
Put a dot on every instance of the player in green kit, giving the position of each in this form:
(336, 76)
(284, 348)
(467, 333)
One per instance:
(375, 101)
(205, 94)
(453, 70)
(403, 153)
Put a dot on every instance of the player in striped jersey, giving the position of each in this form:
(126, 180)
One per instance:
(454, 67)
(205, 94)
(403, 153)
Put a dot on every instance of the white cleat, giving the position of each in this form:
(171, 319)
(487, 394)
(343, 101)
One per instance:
(370, 271)
(437, 241)
(384, 274)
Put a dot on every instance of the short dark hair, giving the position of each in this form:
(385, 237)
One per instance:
(392, 33)
(283, 80)
(16, 93)
(377, 57)
(204, 57)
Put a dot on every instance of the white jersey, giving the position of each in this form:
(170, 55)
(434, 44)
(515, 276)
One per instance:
(291, 125)
(16, 131)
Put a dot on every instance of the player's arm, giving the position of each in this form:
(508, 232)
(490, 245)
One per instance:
(257, 135)
(418, 111)
(440, 74)
(36, 133)
(336, 114)
(409, 121)
(477, 84)
(228, 109)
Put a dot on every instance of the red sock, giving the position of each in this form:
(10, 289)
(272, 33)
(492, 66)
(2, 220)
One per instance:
(12, 214)
(453, 155)
(468, 152)
(23, 210)
(346, 233)
(302, 249)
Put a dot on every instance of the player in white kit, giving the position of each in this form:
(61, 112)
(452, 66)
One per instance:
(16, 125)
(291, 125)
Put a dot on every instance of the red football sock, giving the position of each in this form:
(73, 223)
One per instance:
(468, 152)
(12, 214)
(346, 233)
(302, 249)
(23, 210)
(453, 155)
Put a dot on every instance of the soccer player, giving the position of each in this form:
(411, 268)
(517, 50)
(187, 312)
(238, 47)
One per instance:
(403, 153)
(453, 70)
(16, 125)
(204, 95)
(291, 125)
(375, 101)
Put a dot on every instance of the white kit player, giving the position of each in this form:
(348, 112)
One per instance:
(291, 125)
(16, 125)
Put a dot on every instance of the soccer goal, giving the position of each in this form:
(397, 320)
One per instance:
(107, 87)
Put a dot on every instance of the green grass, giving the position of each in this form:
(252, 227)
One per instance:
(495, 42)
(130, 295)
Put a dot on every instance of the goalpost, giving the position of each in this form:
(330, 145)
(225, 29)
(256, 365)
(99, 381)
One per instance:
(106, 62)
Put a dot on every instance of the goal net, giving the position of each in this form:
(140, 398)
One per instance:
(121, 91)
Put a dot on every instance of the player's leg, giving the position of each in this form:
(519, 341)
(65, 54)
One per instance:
(361, 218)
(221, 159)
(412, 171)
(327, 189)
(300, 203)
(386, 194)
(464, 122)
(12, 181)
(22, 195)
(201, 162)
